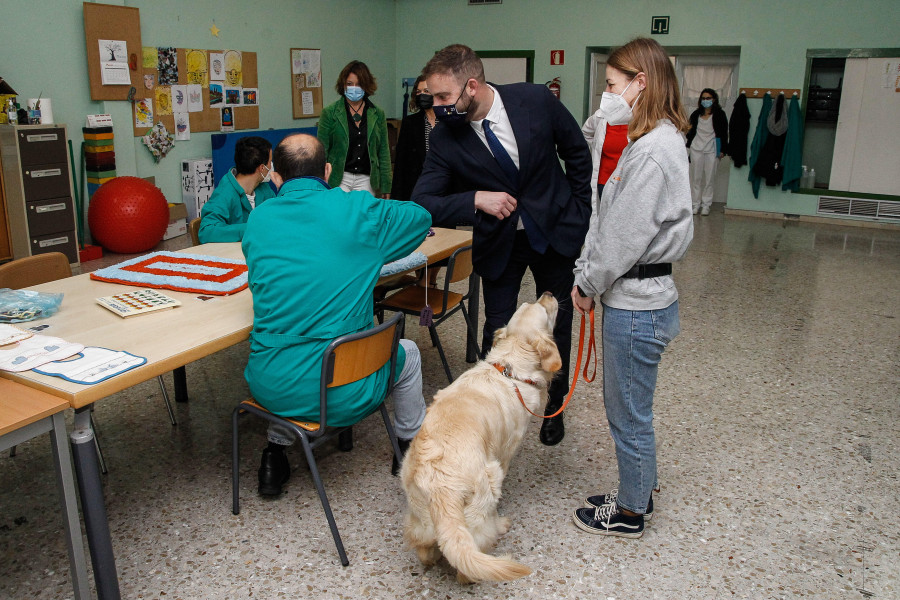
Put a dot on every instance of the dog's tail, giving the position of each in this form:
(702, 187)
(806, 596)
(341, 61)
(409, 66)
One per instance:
(460, 548)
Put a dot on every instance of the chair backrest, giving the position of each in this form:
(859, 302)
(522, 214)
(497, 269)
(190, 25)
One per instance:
(194, 230)
(355, 356)
(34, 270)
(459, 266)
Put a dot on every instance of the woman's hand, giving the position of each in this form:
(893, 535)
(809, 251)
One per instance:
(582, 304)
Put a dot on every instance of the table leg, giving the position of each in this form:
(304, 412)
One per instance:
(94, 508)
(474, 297)
(179, 376)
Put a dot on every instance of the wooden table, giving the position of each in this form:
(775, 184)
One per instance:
(167, 339)
(24, 414)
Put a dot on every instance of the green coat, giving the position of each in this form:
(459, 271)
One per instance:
(225, 214)
(334, 134)
(314, 256)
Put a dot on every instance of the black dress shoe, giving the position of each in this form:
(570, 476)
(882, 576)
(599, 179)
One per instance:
(395, 465)
(274, 470)
(553, 429)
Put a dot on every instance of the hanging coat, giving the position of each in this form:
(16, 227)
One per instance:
(738, 131)
(792, 157)
(768, 162)
(759, 138)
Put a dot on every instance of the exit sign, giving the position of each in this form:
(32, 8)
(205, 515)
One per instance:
(659, 25)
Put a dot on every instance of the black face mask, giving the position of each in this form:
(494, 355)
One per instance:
(424, 101)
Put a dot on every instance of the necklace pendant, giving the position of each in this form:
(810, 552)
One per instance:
(357, 118)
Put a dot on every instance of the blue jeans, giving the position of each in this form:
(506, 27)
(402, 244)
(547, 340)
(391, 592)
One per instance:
(633, 343)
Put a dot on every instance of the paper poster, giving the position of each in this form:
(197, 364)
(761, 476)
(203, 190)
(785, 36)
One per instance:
(194, 97)
(163, 100)
(232, 96)
(182, 127)
(143, 113)
(310, 61)
(149, 57)
(197, 67)
(250, 96)
(114, 63)
(307, 101)
(149, 80)
(296, 62)
(234, 76)
(168, 66)
(300, 81)
(227, 119)
(179, 99)
(216, 66)
(216, 95)
(313, 80)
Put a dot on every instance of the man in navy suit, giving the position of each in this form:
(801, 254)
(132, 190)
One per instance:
(494, 162)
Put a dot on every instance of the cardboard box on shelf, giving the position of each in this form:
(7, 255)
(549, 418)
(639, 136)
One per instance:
(177, 221)
(196, 184)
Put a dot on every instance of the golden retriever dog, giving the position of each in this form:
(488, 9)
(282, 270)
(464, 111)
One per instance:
(453, 471)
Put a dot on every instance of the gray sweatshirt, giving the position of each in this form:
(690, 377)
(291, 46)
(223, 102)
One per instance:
(643, 217)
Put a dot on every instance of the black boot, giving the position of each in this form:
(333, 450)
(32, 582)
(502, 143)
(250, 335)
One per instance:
(395, 465)
(274, 470)
(552, 430)
(345, 440)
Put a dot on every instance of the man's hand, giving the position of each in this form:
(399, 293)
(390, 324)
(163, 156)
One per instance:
(499, 204)
(582, 304)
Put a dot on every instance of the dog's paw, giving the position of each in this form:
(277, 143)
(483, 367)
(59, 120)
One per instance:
(428, 556)
(503, 525)
(463, 579)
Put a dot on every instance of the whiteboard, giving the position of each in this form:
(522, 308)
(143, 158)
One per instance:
(505, 70)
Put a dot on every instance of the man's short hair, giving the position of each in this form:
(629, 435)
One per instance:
(457, 60)
(299, 156)
(249, 153)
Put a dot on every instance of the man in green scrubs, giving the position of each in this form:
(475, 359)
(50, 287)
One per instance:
(314, 255)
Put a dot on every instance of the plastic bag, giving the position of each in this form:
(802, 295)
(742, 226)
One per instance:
(18, 306)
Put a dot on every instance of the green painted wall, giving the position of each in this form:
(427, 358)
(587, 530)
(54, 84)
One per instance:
(773, 35)
(44, 51)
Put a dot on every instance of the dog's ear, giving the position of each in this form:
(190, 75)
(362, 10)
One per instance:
(551, 362)
(499, 334)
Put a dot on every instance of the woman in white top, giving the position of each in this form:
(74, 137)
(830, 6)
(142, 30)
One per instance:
(708, 142)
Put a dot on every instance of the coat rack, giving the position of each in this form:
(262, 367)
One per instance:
(759, 92)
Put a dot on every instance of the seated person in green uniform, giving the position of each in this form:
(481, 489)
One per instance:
(314, 255)
(242, 189)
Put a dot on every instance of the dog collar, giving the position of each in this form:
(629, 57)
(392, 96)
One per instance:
(506, 373)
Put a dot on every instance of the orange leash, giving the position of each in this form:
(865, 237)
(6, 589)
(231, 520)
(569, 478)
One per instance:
(592, 351)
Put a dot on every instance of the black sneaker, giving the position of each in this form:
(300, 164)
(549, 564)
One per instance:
(610, 498)
(607, 520)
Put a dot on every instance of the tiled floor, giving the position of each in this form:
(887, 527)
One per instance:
(777, 424)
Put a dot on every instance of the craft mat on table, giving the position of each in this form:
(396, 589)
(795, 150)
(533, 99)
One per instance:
(180, 272)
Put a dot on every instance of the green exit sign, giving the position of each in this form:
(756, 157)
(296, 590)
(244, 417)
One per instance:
(659, 25)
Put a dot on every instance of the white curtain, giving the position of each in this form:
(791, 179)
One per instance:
(699, 77)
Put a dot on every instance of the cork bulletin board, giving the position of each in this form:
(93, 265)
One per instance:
(306, 82)
(208, 119)
(108, 22)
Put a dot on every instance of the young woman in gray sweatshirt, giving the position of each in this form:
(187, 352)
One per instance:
(641, 225)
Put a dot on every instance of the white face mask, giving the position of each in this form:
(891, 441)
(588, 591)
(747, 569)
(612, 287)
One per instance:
(614, 107)
(268, 176)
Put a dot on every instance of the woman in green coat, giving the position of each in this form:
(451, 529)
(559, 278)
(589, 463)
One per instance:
(354, 133)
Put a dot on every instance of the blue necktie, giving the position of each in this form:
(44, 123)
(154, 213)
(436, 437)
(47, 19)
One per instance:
(535, 237)
(500, 154)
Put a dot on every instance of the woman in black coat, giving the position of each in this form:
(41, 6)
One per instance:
(412, 144)
(707, 141)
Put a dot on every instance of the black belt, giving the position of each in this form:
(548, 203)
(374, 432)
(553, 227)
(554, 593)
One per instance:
(648, 271)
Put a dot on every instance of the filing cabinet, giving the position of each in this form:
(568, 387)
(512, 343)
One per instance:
(37, 182)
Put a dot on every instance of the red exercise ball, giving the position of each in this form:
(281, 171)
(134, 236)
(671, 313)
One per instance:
(128, 215)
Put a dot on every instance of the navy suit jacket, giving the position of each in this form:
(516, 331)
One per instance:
(458, 164)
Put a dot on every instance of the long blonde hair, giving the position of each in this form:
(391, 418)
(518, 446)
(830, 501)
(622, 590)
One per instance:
(661, 98)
